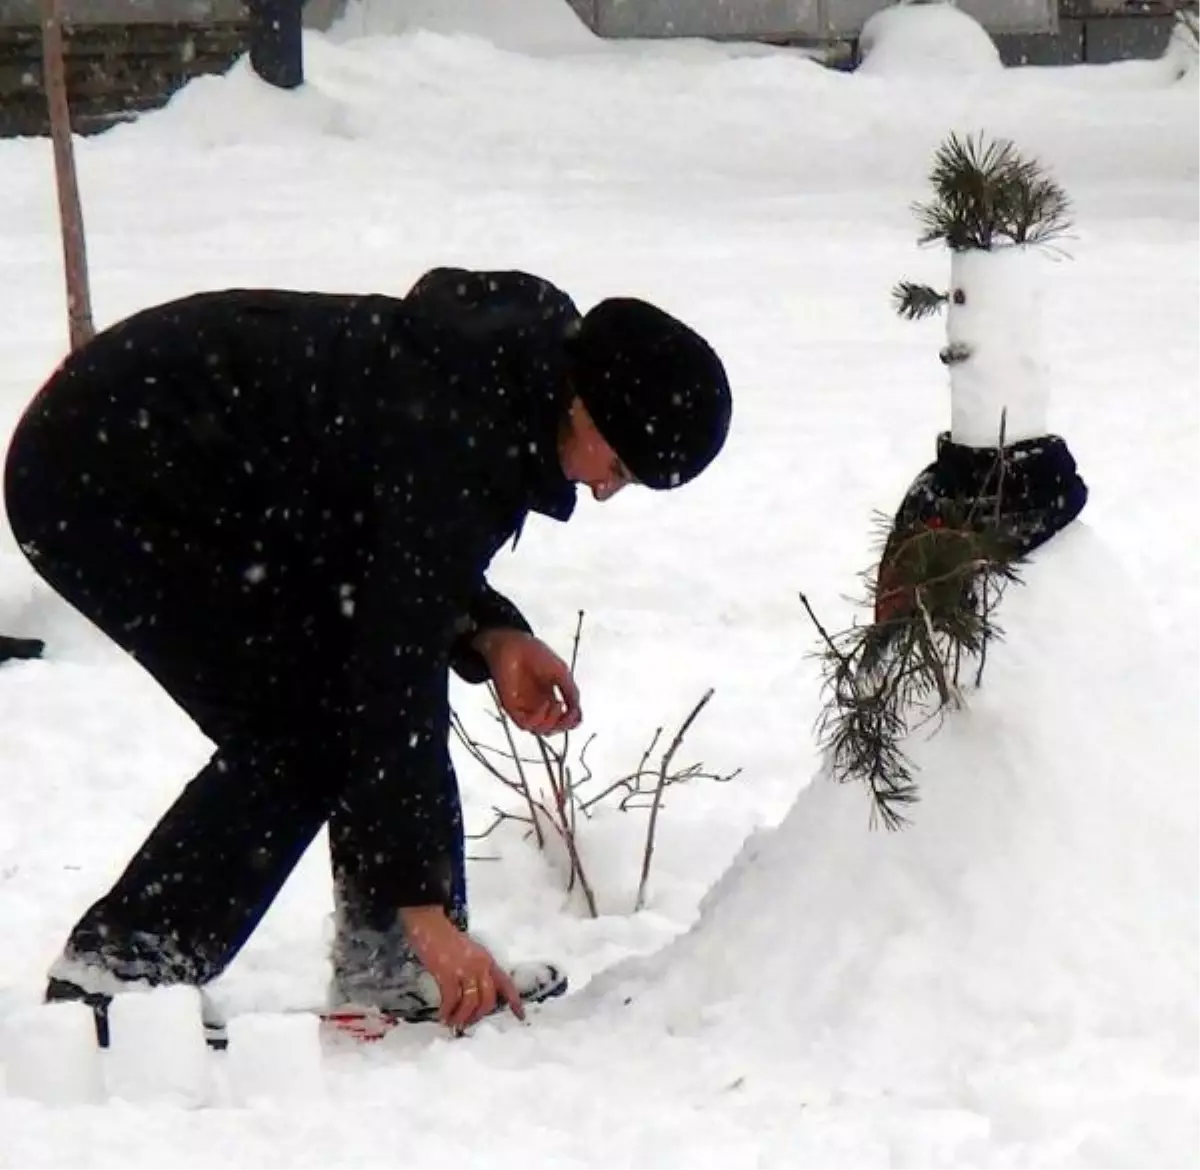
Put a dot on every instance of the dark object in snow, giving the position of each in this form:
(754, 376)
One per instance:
(20, 648)
(1024, 493)
(276, 41)
(283, 507)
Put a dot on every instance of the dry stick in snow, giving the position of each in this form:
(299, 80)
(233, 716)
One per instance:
(996, 524)
(516, 757)
(648, 856)
(54, 77)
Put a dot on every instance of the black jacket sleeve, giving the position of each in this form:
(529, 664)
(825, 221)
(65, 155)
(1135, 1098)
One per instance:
(430, 537)
(489, 610)
(478, 303)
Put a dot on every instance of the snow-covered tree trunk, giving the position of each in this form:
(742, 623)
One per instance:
(54, 78)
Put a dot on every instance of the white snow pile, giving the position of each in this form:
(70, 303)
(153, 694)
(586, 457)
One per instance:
(1183, 49)
(921, 39)
(1029, 939)
(529, 26)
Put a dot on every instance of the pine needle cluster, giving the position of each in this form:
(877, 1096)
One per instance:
(986, 195)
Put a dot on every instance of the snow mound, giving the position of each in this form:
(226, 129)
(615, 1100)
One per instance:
(926, 40)
(1183, 50)
(237, 107)
(520, 25)
(1039, 913)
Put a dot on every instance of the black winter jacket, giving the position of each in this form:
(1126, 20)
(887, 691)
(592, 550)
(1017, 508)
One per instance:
(404, 441)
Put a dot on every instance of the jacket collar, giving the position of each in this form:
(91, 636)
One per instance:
(547, 489)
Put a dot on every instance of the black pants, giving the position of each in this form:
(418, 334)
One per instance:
(239, 647)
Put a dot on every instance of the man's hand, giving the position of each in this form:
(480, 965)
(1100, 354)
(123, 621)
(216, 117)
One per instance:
(535, 686)
(470, 981)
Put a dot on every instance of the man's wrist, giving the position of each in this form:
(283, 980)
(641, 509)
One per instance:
(419, 916)
(486, 641)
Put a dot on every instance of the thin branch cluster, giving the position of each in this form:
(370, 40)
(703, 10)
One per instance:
(558, 790)
(934, 595)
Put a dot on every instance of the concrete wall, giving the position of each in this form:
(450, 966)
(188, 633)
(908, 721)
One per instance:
(1027, 31)
(813, 19)
(318, 14)
(14, 12)
(1094, 41)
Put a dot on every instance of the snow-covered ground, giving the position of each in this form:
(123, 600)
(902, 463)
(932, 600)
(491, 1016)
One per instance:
(1010, 982)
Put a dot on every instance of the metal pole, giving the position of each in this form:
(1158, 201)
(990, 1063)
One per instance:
(54, 78)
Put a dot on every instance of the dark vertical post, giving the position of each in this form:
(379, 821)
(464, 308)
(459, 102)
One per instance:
(54, 79)
(276, 49)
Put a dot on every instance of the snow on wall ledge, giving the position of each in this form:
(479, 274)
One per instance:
(1039, 913)
(526, 25)
(926, 40)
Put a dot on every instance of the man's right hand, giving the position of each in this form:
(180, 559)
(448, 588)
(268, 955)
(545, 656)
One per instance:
(470, 981)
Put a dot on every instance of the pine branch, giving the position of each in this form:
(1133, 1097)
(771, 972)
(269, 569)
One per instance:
(916, 301)
(881, 679)
(986, 195)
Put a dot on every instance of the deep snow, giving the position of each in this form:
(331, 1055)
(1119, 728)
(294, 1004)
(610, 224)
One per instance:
(1009, 982)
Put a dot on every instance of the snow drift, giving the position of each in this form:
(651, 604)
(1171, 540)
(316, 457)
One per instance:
(1041, 909)
(926, 40)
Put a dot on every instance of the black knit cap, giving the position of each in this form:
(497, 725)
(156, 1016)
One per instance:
(654, 388)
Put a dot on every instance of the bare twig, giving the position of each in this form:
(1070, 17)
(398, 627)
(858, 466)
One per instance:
(479, 753)
(498, 818)
(627, 782)
(986, 600)
(567, 834)
(825, 635)
(516, 757)
(652, 826)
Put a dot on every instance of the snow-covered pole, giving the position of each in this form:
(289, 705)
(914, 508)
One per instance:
(54, 77)
(276, 41)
